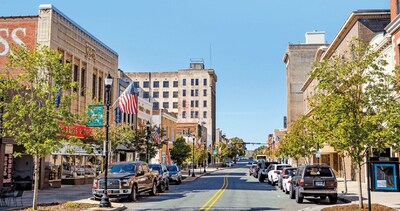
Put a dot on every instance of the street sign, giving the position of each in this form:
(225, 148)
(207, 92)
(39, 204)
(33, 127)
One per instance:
(96, 116)
(318, 153)
(215, 152)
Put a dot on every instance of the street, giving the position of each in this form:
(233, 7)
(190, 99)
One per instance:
(228, 189)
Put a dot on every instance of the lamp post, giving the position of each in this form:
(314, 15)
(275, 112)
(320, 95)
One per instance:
(368, 178)
(147, 141)
(192, 154)
(105, 201)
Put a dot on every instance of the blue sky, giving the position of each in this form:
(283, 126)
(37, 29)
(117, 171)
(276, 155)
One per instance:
(247, 39)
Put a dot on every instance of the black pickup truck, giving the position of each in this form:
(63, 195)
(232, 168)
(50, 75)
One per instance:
(126, 180)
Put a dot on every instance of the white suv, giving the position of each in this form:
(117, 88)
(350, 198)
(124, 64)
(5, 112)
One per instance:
(275, 170)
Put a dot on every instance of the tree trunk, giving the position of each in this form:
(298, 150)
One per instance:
(360, 196)
(36, 185)
(344, 175)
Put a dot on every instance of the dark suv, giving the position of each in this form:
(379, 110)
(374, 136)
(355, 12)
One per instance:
(314, 180)
(163, 177)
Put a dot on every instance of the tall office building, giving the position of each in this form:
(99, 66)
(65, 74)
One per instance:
(191, 93)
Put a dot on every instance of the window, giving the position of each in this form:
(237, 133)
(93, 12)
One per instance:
(165, 94)
(145, 94)
(204, 114)
(165, 105)
(145, 84)
(192, 82)
(192, 103)
(156, 84)
(196, 92)
(184, 103)
(184, 114)
(175, 94)
(156, 105)
(197, 81)
(165, 84)
(196, 114)
(205, 82)
(136, 84)
(83, 82)
(156, 94)
(398, 6)
(318, 171)
(205, 103)
(100, 97)
(76, 69)
(94, 86)
(175, 84)
(197, 103)
(205, 92)
(184, 93)
(192, 92)
(175, 105)
(184, 82)
(192, 114)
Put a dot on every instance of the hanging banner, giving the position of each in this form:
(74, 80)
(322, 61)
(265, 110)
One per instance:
(96, 116)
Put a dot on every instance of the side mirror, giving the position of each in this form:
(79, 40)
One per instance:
(165, 170)
(140, 173)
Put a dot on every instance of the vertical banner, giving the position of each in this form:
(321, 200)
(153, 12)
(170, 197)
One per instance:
(96, 116)
(117, 115)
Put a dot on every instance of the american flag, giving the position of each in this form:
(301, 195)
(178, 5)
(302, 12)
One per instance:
(199, 143)
(157, 135)
(128, 102)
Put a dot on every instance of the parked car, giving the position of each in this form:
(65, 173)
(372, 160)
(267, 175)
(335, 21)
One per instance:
(163, 176)
(287, 174)
(252, 168)
(275, 170)
(175, 174)
(263, 170)
(126, 180)
(314, 180)
(229, 163)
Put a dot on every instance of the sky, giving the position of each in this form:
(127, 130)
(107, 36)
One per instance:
(243, 41)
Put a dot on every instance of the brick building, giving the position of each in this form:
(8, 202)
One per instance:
(91, 60)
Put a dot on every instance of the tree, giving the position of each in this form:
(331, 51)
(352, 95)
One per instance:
(300, 140)
(181, 151)
(236, 147)
(356, 103)
(31, 116)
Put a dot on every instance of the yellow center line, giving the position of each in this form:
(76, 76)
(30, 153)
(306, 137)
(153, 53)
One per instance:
(216, 196)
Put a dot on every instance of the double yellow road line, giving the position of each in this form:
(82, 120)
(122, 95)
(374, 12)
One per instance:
(207, 206)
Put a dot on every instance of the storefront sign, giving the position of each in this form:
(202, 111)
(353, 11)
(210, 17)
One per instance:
(9, 149)
(79, 131)
(96, 116)
(381, 184)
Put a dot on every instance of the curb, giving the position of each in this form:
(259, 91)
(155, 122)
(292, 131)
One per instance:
(343, 199)
(191, 180)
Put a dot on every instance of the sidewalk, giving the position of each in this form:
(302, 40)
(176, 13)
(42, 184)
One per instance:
(63, 194)
(199, 172)
(390, 199)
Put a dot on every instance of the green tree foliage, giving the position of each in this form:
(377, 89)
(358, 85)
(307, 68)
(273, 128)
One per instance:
(300, 140)
(356, 103)
(30, 114)
(236, 147)
(181, 151)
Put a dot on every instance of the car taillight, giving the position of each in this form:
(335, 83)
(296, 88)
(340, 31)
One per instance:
(289, 181)
(335, 184)
(276, 171)
(301, 183)
(95, 183)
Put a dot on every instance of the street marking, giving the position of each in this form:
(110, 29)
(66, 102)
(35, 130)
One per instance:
(216, 196)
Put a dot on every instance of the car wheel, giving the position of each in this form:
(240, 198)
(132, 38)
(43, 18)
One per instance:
(162, 187)
(291, 193)
(153, 191)
(261, 178)
(299, 198)
(133, 196)
(167, 185)
(333, 199)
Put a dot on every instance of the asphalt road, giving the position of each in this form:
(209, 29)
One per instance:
(228, 189)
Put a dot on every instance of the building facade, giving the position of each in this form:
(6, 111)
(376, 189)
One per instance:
(90, 59)
(299, 59)
(190, 93)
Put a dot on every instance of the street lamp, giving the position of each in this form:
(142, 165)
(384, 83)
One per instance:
(105, 201)
(147, 141)
(192, 154)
